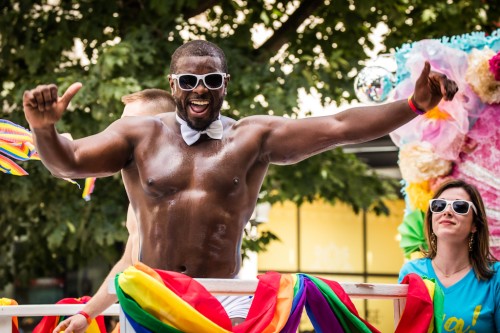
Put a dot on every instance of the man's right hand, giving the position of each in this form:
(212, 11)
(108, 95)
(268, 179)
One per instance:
(43, 107)
(74, 324)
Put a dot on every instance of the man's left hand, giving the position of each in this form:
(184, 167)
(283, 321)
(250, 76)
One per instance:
(431, 87)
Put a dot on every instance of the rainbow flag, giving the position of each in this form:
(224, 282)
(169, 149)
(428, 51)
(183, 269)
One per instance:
(425, 301)
(89, 188)
(160, 301)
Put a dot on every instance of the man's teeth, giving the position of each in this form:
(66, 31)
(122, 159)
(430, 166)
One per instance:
(199, 102)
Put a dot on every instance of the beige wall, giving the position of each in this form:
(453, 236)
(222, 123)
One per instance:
(331, 241)
(384, 253)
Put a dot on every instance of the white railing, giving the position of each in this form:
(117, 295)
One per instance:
(395, 292)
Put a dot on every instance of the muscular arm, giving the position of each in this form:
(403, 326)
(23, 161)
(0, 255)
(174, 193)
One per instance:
(290, 141)
(98, 155)
(287, 141)
(95, 156)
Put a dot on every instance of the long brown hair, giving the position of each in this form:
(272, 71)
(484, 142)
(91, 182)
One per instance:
(480, 257)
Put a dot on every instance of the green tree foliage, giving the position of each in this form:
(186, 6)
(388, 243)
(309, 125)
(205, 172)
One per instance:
(126, 46)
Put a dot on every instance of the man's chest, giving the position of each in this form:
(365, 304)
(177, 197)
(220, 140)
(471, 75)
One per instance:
(208, 166)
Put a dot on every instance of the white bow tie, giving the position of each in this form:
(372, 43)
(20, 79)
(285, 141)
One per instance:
(190, 135)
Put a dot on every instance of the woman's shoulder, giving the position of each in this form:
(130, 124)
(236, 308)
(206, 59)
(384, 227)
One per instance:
(421, 262)
(494, 280)
(495, 267)
(418, 266)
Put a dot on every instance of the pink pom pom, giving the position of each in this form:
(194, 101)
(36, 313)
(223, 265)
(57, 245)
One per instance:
(495, 66)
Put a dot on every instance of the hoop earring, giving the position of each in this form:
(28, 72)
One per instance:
(471, 242)
(433, 242)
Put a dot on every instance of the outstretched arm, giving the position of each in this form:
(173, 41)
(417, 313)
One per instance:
(102, 299)
(95, 156)
(289, 141)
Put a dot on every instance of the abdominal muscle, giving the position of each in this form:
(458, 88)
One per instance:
(197, 246)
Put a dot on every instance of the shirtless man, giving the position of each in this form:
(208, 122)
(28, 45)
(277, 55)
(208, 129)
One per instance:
(147, 102)
(193, 176)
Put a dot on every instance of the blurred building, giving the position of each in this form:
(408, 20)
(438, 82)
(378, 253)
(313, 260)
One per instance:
(335, 243)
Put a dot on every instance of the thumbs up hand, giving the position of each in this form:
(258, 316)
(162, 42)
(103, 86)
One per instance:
(43, 107)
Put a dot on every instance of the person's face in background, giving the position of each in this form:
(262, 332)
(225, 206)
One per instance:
(450, 226)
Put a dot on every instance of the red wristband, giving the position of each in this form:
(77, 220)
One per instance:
(86, 315)
(411, 103)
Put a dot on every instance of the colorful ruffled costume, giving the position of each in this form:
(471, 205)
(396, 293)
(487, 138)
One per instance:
(458, 138)
(481, 167)
(160, 301)
(16, 142)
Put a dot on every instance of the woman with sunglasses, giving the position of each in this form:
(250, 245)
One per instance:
(459, 259)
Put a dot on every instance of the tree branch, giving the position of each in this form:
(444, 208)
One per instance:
(202, 6)
(282, 35)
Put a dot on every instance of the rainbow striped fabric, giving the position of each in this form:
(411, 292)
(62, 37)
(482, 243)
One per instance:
(161, 301)
(424, 306)
(88, 188)
(16, 143)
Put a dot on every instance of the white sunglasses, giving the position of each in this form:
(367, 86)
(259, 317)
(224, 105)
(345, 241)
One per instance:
(460, 207)
(188, 82)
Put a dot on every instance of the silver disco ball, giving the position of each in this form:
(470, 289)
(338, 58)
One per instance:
(373, 84)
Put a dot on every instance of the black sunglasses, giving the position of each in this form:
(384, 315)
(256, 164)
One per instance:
(461, 207)
(188, 82)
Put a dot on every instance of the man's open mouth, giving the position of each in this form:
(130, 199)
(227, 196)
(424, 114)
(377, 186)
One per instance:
(198, 106)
